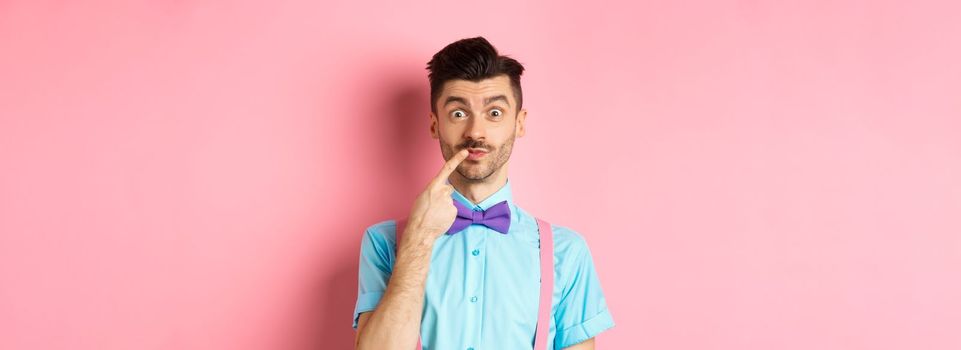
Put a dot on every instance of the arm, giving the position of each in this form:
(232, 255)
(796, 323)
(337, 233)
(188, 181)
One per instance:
(395, 323)
(582, 312)
(584, 345)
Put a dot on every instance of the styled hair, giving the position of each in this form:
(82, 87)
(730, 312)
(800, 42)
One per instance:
(472, 59)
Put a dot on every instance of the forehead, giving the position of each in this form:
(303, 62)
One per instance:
(476, 91)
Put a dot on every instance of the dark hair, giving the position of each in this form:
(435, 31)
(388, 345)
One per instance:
(472, 59)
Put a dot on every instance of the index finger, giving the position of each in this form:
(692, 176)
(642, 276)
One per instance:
(450, 166)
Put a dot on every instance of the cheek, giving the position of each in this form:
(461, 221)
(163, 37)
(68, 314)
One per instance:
(448, 135)
(500, 134)
(448, 129)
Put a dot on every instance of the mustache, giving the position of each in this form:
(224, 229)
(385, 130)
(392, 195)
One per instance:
(475, 144)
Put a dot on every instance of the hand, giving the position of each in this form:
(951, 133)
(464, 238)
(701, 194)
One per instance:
(434, 212)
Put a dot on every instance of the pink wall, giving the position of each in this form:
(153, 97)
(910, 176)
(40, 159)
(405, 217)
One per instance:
(761, 175)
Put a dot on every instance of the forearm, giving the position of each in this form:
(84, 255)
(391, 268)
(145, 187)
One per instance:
(395, 323)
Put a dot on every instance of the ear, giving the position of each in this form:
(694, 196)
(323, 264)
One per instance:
(521, 116)
(434, 132)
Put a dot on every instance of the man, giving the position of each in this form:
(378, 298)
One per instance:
(458, 285)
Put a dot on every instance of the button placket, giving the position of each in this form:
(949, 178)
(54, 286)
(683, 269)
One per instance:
(475, 283)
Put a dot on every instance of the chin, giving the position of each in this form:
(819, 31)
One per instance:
(475, 175)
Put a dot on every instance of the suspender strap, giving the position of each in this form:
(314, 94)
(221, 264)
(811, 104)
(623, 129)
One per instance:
(547, 281)
(547, 284)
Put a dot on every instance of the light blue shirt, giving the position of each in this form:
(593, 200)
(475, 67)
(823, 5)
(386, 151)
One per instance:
(483, 287)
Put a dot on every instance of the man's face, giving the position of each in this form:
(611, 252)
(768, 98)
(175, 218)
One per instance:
(479, 116)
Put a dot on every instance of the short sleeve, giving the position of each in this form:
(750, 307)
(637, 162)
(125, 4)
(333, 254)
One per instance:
(582, 311)
(374, 269)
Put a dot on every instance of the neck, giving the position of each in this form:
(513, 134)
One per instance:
(478, 190)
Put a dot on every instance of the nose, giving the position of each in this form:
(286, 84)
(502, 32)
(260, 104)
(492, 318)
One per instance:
(476, 129)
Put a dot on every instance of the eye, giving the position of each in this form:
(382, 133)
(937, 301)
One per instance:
(458, 114)
(496, 113)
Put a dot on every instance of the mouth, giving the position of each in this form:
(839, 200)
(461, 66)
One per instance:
(476, 153)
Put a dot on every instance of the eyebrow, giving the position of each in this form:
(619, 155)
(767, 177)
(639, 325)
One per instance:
(487, 101)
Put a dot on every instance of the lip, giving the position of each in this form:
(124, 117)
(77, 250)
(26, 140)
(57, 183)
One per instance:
(476, 153)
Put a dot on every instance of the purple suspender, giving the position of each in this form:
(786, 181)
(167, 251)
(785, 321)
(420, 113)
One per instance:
(547, 282)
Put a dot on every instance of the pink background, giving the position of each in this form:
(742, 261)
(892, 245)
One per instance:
(748, 174)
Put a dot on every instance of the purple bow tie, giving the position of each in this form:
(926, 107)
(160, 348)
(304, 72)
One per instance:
(497, 217)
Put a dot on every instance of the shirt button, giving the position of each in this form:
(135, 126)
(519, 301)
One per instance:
(473, 299)
(475, 252)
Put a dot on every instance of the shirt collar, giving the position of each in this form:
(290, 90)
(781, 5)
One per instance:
(503, 194)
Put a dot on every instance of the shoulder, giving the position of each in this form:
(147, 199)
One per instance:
(380, 239)
(385, 230)
(568, 242)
